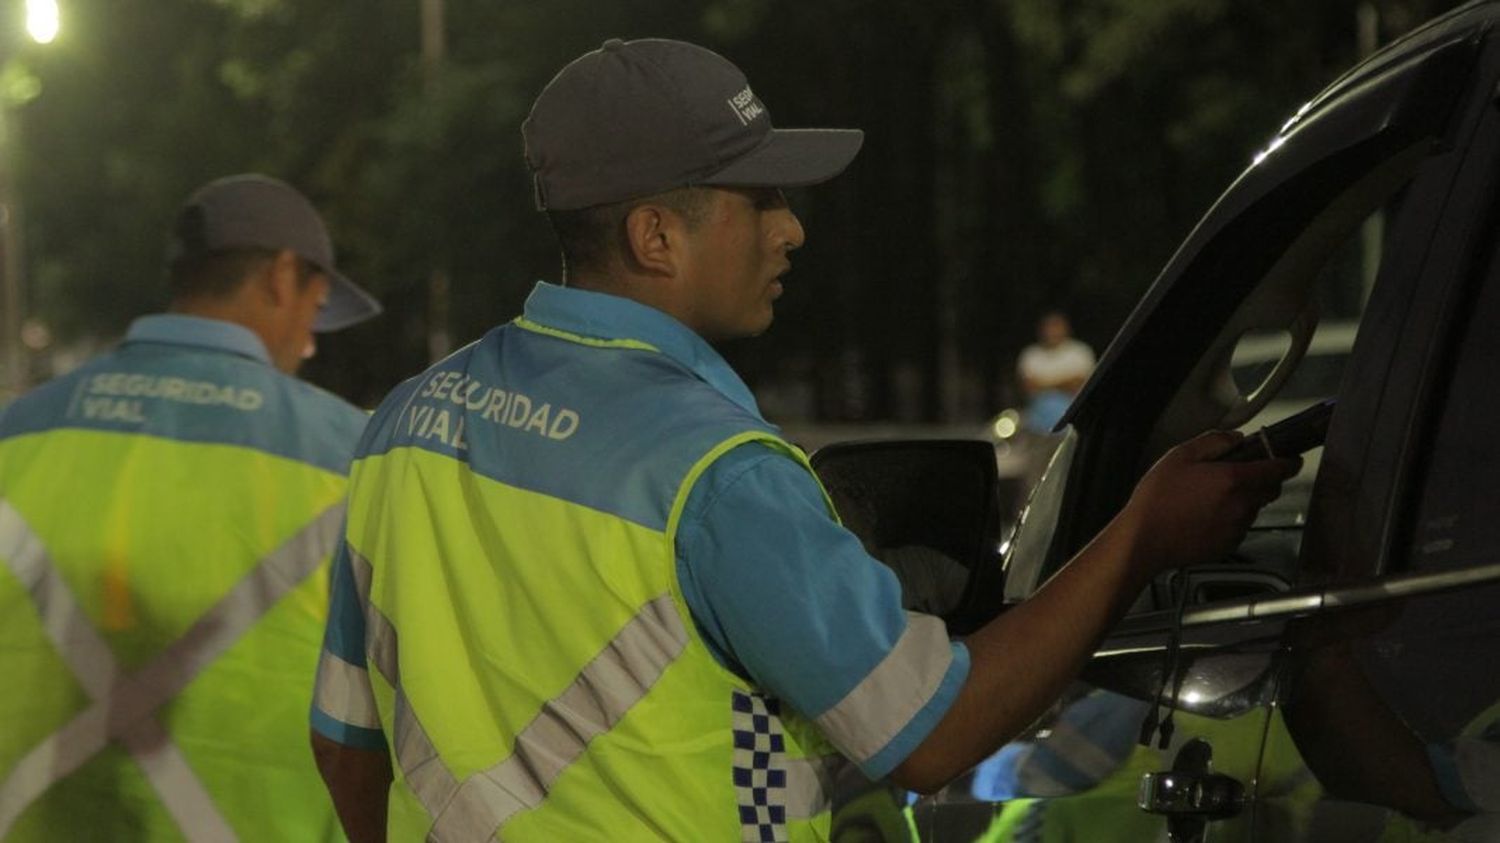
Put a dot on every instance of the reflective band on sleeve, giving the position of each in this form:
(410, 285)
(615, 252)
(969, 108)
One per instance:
(875, 711)
(617, 678)
(809, 781)
(123, 707)
(343, 693)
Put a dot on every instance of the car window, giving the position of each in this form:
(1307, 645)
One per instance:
(1455, 523)
(1238, 374)
(1273, 374)
(1298, 242)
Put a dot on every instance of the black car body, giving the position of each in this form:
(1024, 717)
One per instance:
(1333, 679)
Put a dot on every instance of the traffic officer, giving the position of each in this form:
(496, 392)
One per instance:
(167, 513)
(588, 593)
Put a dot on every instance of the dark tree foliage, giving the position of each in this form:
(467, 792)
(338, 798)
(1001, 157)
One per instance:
(1019, 155)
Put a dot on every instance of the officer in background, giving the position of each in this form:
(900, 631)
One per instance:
(587, 592)
(166, 515)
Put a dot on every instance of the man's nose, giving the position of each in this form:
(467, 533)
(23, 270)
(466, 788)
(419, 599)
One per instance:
(791, 229)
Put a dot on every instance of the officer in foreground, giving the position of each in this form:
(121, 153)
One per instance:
(588, 593)
(167, 512)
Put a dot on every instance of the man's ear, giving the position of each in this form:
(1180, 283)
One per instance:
(282, 278)
(653, 239)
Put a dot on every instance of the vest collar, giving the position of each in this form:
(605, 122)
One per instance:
(607, 317)
(199, 332)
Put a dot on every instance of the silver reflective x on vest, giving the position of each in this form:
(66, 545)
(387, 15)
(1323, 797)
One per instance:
(124, 704)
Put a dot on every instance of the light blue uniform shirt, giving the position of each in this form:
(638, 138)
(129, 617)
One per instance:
(198, 332)
(784, 596)
(294, 419)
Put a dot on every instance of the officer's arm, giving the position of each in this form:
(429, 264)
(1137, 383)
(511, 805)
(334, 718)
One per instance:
(1187, 509)
(359, 781)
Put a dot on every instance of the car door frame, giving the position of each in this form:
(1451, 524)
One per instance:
(1380, 442)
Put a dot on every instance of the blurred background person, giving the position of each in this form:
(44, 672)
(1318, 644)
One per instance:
(167, 512)
(1052, 370)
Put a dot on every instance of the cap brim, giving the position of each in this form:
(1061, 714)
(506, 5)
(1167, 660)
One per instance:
(348, 304)
(792, 158)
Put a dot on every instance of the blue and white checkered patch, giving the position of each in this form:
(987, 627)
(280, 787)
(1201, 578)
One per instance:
(759, 768)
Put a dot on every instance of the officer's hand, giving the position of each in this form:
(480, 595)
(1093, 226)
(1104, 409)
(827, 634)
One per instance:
(1189, 509)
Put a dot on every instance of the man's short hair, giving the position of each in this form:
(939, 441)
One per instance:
(217, 274)
(590, 238)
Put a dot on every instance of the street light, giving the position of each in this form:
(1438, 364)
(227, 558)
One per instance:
(43, 20)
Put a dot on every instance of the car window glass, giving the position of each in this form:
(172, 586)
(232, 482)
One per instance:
(1255, 358)
(1282, 376)
(1455, 523)
(1311, 281)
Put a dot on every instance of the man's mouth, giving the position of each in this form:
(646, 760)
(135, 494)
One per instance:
(778, 285)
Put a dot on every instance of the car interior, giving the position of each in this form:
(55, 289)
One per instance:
(1260, 367)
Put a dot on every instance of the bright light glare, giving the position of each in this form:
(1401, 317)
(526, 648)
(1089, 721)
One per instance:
(1006, 424)
(1275, 145)
(1005, 428)
(42, 20)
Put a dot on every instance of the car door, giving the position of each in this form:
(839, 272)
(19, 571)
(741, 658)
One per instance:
(1338, 221)
(1388, 696)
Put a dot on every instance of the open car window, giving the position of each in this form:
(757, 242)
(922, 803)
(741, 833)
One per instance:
(1298, 246)
(1282, 347)
(1285, 349)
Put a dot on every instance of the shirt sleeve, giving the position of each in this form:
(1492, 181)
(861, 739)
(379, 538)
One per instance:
(790, 601)
(343, 707)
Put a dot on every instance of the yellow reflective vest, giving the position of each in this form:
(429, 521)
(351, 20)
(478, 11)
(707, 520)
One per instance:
(166, 516)
(535, 667)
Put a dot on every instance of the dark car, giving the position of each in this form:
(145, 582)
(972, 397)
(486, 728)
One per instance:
(1337, 678)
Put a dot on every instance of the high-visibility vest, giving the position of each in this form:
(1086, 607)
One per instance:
(166, 516)
(535, 667)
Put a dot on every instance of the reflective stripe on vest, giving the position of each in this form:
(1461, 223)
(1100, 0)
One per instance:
(604, 690)
(123, 705)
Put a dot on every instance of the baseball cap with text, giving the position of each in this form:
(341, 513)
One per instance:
(634, 118)
(255, 211)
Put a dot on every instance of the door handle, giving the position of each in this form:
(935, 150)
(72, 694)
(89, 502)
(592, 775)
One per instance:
(1184, 793)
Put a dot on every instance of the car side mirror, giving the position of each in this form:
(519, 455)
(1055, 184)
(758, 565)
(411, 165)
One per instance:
(927, 508)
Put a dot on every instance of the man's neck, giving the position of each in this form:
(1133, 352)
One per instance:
(223, 310)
